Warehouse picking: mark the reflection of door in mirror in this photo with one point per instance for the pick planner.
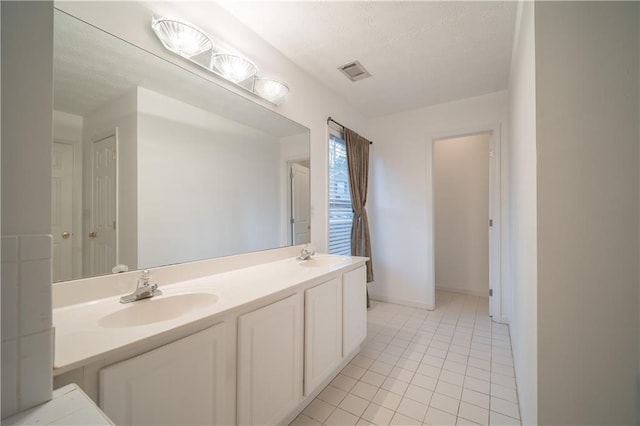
(300, 219)
(61, 210)
(103, 240)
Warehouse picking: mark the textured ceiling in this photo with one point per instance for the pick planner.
(419, 53)
(92, 68)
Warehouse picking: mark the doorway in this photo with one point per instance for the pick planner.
(461, 214)
(299, 230)
(465, 215)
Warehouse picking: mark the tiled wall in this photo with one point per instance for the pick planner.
(27, 334)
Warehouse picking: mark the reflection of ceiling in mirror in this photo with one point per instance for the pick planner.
(92, 68)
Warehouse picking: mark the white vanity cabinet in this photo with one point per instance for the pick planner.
(269, 377)
(179, 383)
(323, 332)
(354, 302)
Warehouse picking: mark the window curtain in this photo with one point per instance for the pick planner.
(358, 164)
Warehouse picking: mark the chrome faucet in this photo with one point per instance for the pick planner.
(306, 253)
(144, 289)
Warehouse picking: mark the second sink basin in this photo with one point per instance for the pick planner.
(156, 309)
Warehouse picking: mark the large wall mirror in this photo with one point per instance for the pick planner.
(155, 165)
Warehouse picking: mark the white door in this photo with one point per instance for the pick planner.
(300, 220)
(181, 383)
(103, 236)
(354, 302)
(270, 362)
(323, 332)
(61, 211)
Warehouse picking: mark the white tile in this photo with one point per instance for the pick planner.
(479, 363)
(439, 353)
(504, 392)
(387, 399)
(303, 420)
(9, 377)
(474, 413)
(388, 358)
(505, 407)
(434, 361)
(364, 390)
(454, 366)
(445, 403)
(475, 398)
(394, 350)
(35, 247)
(35, 297)
(461, 359)
(424, 381)
(476, 385)
(332, 395)
(353, 371)
(505, 370)
(408, 364)
(478, 373)
(354, 404)
(448, 389)
(9, 300)
(429, 370)
(451, 377)
(437, 417)
(362, 361)
(402, 420)
(506, 381)
(381, 367)
(341, 418)
(418, 394)
(401, 374)
(395, 385)
(378, 414)
(496, 419)
(36, 365)
(87, 416)
(414, 409)
(343, 382)
(318, 410)
(373, 378)
(10, 249)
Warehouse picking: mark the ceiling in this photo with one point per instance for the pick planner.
(419, 53)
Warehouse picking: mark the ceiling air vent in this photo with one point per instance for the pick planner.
(354, 71)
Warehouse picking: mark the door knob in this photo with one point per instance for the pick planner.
(65, 235)
(93, 234)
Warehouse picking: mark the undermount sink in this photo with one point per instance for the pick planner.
(156, 309)
(321, 261)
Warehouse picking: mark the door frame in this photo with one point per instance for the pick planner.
(497, 308)
(287, 235)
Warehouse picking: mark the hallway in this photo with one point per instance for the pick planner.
(450, 366)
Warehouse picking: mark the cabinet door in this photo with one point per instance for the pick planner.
(323, 332)
(177, 384)
(354, 302)
(270, 362)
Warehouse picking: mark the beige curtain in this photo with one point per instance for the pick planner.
(358, 163)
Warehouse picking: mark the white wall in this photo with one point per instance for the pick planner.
(27, 107)
(587, 144)
(523, 211)
(309, 103)
(461, 214)
(195, 201)
(399, 195)
(119, 114)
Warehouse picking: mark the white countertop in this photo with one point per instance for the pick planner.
(90, 331)
(69, 406)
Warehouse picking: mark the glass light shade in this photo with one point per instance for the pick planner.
(271, 90)
(180, 37)
(234, 68)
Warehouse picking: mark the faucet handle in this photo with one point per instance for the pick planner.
(145, 277)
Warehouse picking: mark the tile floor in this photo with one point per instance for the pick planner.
(450, 366)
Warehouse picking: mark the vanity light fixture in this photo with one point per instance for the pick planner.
(234, 68)
(181, 38)
(193, 44)
(272, 90)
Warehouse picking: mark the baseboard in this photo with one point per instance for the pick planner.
(410, 303)
(463, 291)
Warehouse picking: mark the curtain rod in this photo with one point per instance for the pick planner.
(341, 125)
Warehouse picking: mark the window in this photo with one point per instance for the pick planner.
(340, 209)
